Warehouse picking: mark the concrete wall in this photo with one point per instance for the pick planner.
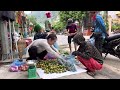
(113, 14)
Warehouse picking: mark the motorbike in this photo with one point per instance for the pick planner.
(110, 45)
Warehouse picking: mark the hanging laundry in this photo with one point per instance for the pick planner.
(16, 17)
(7, 15)
(24, 19)
(48, 14)
(47, 26)
(19, 16)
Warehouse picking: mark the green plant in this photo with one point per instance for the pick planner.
(118, 25)
(65, 15)
(114, 27)
(32, 19)
(59, 26)
(76, 15)
(107, 26)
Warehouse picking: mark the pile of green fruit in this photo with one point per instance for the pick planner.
(66, 53)
(51, 66)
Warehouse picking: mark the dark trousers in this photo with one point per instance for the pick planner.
(98, 41)
(70, 38)
(33, 53)
(98, 44)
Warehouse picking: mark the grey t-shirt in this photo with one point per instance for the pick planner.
(42, 45)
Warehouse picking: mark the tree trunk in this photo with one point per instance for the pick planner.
(79, 30)
(82, 26)
(4, 39)
(106, 17)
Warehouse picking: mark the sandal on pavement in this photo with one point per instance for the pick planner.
(91, 73)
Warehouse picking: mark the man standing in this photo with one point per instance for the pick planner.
(99, 30)
(71, 30)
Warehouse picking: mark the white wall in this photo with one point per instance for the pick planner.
(113, 14)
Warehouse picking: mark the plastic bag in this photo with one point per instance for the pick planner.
(13, 69)
(71, 58)
(49, 56)
(23, 67)
(17, 63)
(68, 64)
(15, 66)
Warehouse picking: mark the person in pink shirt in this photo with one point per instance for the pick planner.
(71, 31)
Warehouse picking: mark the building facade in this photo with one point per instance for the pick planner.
(115, 15)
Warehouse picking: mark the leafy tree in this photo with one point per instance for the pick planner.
(32, 19)
(59, 26)
(65, 15)
(115, 27)
(75, 15)
(107, 26)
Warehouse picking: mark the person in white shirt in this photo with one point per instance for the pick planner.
(40, 47)
(16, 36)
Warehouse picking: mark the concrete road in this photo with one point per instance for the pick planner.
(111, 66)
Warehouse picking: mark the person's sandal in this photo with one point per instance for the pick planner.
(91, 73)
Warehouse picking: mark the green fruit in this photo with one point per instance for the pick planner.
(51, 66)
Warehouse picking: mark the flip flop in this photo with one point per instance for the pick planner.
(91, 73)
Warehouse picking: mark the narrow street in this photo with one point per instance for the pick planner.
(111, 67)
(18, 27)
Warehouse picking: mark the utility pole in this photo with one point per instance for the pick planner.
(110, 24)
(106, 16)
(11, 51)
(4, 40)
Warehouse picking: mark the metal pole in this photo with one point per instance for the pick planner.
(4, 39)
(15, 42)
(82, 28)
(0, 44)
(110, 24)
(18, 28)
(10, 40)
